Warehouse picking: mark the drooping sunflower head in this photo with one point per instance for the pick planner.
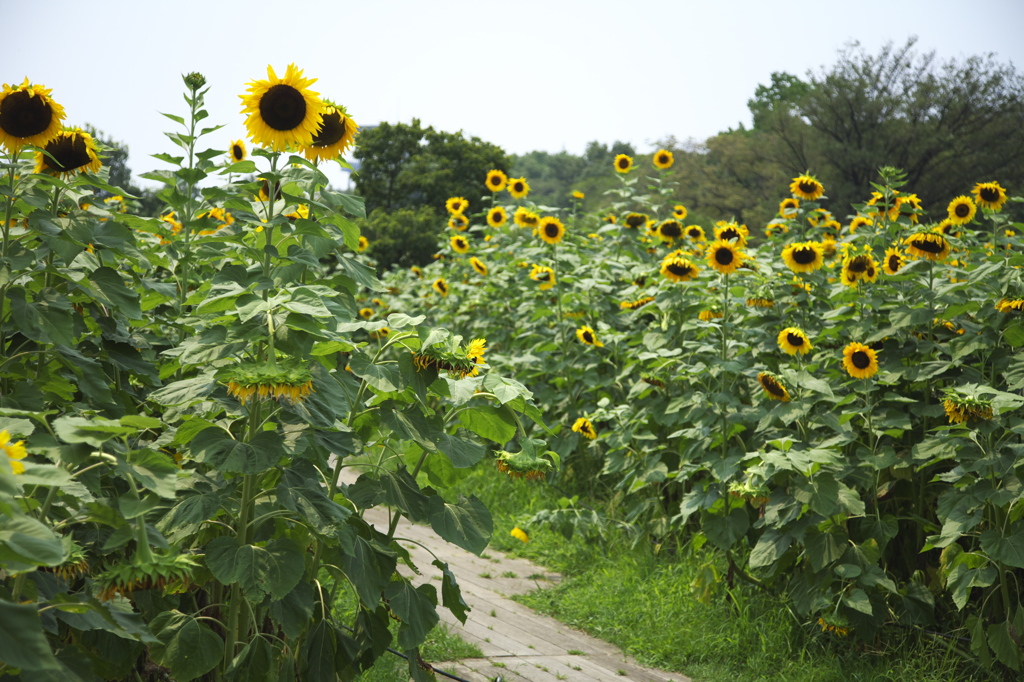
(458, 222)
(930, 245)
(623, 163)
(793, 340)
(71, 151)
(497, 217)
(670, 230)
(663, 160)
(544, 275)
(635, 220)
(961, 210)
(459, 244)
(496, 180)
(788, 207)
(440, 286)
(335, 135)
(585, 428)
(962, 404)
(288, 380)
(479, 266)
(28, 116)
(989, 195)
(725, 257)
(588, 336)
(678, 269)
(237, 152)
(282, 112)
(807, 187)
(456, 205)
(518, 188)
(894, 260)
(773, 388)
(803, 256)
(860, 361)
(550, 230)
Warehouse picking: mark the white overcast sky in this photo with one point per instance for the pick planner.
(526, 75)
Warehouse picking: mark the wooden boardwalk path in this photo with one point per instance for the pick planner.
(518, 644)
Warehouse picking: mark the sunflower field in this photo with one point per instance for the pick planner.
(831, 401)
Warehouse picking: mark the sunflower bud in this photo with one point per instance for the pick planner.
(194, 80)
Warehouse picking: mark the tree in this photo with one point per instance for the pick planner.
(402, 238)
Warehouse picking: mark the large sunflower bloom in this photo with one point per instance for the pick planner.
(71, 151)
(857, 268)
(732, 231)
(725, 256)
(623, 163)
(679, 269)
(663, 160)
(497, 217)
(989, 195)
(337, 132)
(544, 275)
(793, 340)
(550, 230)
(496, 180)
(28, 116)
(961, 210)
(696, 233)
(440, 286)
(860, 361)
(859, 222)
(459, 244)
(930, 245)
(238, 152)
(456, 205)
(803, 256)
(587, 335)
(773, 388)
(282, 112)
(894, 260)
(479, 266)
(670, 230)
(807, 187)
(518, 188)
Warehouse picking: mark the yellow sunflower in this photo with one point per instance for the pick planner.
(518, 188)
(479, 266)
(544, 275)
(623, 163)
(989, 195)
(803, 256)
(772, 229)
(961, 210)
(459, 244)
(366, 313)
(71, 151)
(525, 218)
(670, 230)
(417, 270)
(635, 220)
(458, 222)
(585, 428)
(807, 187)
(708, 314)
(456, 205)
(238, 152)
(334, 137)
(663, 160)
(859, 268)
(519, 534)
(773, 388)
(610, 218)
(732, 231)
(894, 260)
(679, 212)
(364, 244)
(788, 207)
(496, 180)
(497, 217)
(440, 286)
(696, 233)
(794, 340)
(860, 361)
(28, 116)
(930, 245)
(576, 194)
(587, 335)
(678, 269)
(282, 112)
(550, 230)
(15, 452)
(725, 256)
(859, 222)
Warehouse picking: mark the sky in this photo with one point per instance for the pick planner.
(530, 75)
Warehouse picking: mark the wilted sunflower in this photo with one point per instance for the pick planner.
(583, 427)
(71, 151)
(518, 188)
(807, 187)
(587, 335)
(635, 220)
(459, 244)
(962, 405)
(860, 361)
(930, 245)
(282, 112)
(989, 195)
(679, 269)
(456, 205)
(291, 381)
(725, 256)
(550, 230)
(696, 233)
(663, 159)
(623, 163)
(961, 210)
(544, 275)
(793, 340)
(525, 218)
(803, 256)
(458, 222)
(894, 261)
(497, 217)
(28, 116)
(859, 268)
(337, 132)
(788, 207)
(679, 212)
(859, 222)
(670, 230)
(440, 286)
(479, 266)
(496, 180)
(773, 388)
(238, 152)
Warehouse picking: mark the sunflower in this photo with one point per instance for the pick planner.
(28, 116)
(497, 217)
(1007, 305)
(670, 230)
(773, 388)
(578, 195)
(440, 286)
(819, 215)
(807, 187)
(456, 205)
(71, 151)
(696, 233)
(544, 275)
(860, 361)
(663, 160)
(947, 227)
(610, 218)
(550, 230)
(732, 231)
(725, 256)
(857, 268)
(238, 152)
(364, 244)
(708, 314)
(301, 212)
(859, 222)
(678, 269)
(635, 220)
(458, 222)
(525, 218)
(417, 270)
(788, 207)
(623, 163)
(583, 427)
(794, 340)
(337, 132)
(911, 200)
(459, 244)
(761, 302)
(479, 266)
(963, 405)
(772, 229)
(15, 452)
(366, 313)
(894, 261)
(961, 210)
(586, 335)
(989, 195)
(282, 112)
(930, 245)
(518, 188)
(519, 534)
(639, 303)
(803, 256)
(496, 180)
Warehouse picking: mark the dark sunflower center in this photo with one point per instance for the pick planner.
(808, 187)
(544, 276)
(588, 337)
(551, 230)
(530, 220)
(730, 233)
(494, 180)
(724, 256)
(672, 230)
(442, 287)
(858, 264)
(635, 220)
(518, 187)
(459, 244)
(662, 159)
(773, 386)
(679, 269)
(894, 263)
(962, 210)
(805, 256)
(283, 107)
(694, 233)
(623, 163)
(989, 194)
(68, 151)
(22, 115)
(860, 359)
(924, 244)
(237, 152)
(495, 216)
(331, 130)
(794, 339)
(871, 272)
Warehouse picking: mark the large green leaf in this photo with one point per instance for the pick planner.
(22, 642)
(111, 292)
(26, 543)
(295, 611)
(385, 378)
(215, 447)
(489, 422)
(724, 530)
(48, 319)
(461, 451)
(451, 594)
(300, 491)
(254, 663)
(274, 569)
(467, 523)
(369, 567)
(152, 469)
(186, 390)
(402, 491)
(94, 431)
(186, 646)
(1007, 549)
(821, 493)
(769, 548)
(417, 607)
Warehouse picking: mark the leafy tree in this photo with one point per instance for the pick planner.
(402, 238)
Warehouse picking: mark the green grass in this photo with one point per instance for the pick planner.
(441, 645)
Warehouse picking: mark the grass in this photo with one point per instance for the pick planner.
(441, 645)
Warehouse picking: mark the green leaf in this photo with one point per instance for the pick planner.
(274, 569)
(462, 452)
(417, 607)
(152, 469)
(295, 611)
(824, 548)
(857, 599)
(111, 292)
(1008, 549)
(183, 391)
(492, 423)
(769, 548)
(215, 447)
(402, 491)
(139, 421)
(187, 647)
(301, 492)
(467, 523)
(370, 569)
(1014, 335)
(22, 642)
(724, 530)
(254, 663)
(451, 595)
(384, 378)
(320, 649)
(821, 493)
(305, 302)
(94, 431)
(46, 320)
(26, 543)
(1002, 642)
